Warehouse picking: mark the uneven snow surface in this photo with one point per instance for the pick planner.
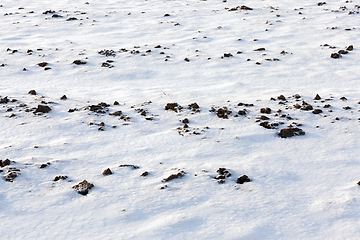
(255, 69)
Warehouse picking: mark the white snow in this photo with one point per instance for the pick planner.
(303, 187)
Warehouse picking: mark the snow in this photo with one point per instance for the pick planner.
(303, 187)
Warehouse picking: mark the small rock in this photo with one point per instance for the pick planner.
(63, 97)
(79, 62)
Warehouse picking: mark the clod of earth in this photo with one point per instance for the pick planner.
(44, 165)
(42, 64)
(174, 176)
(194, 107)
(260, 49)
(186, 59)
(11, 174)
(4, 100)
(4, 163)
(306, 106)
(335, 55)
(185, 120)
(343, 52)
(343, 98)
(83, 187)
(281, 97)
(129, 165)
(42, 109)
(57, 178)
(265, 110)
(350, 48)
(63, 97)
(71, 19)
(262, 117)
(317, 97)
(107, 172)
(223, 113)
(117, 113)
(243, 179)
(242, 112)
(243, 7)
(228, 55)
(32, 92)
(290, 132)
(144, 174)
(79, 62)
(116, 103)
(173, 106)
(317, 111)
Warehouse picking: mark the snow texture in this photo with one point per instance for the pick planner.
(179, 100)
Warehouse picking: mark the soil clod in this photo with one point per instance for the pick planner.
(83, 187)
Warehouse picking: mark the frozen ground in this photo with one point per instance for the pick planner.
(302, 187)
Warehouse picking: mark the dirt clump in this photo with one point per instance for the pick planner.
(107, 172)
(174, 176)
(194, 107)
(42, 109)
(317, 111)
(57, 178)
(130, 166)
(174, 107)
(223, 113)
(243, 179)
(79, 62)
(265, 110)
(290, 132)
(83, 187)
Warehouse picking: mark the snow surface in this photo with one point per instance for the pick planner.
(304, 187)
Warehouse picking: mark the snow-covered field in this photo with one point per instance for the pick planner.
(132, 72)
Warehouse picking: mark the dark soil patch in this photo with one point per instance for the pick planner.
(108, 53)
(44, 165)
(346, 108)
(242, 112)
(243, 7)
(194, 107)
(173, 106)
(317, 111)
(83, 187)
(4, 163)
(107, 172)
(174, 176)
(130, 166)
(265, 110)
(306, 106)
(259, 49)
(63, 97)
(290, 132)
(262, 117)
(11, 174)
(185, 120)
(4, 100)
(335, 55)
(42, 109)
(281, 97)
(268, 125)
(223, 174)
(79, 62)
(117, 113)
(343, 52)
(57, 178)
(223, 113)
(243, 179)
(42, 64)
(144, 174)
(350, 48)
(71, 19)
(317, 97)
(186, 59)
